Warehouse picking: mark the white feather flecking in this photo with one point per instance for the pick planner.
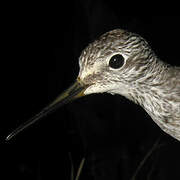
(144, 78)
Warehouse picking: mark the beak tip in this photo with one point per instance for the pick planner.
(75, 91)
(8, 138)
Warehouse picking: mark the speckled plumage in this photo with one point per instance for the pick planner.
(143, 78)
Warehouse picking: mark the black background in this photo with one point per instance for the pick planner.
(41, 46)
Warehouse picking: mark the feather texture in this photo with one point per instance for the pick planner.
(144, 78)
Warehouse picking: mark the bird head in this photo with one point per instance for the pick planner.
(113, 63)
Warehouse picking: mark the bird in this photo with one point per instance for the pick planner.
(122, 62)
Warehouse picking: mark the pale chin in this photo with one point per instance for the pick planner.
(94, 89)
(112, 89)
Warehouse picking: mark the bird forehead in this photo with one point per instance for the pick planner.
(101, 48)
(120, 41)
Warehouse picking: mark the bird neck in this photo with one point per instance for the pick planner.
(155, 73)
(150, 82)
(153, 93)
(148, 91)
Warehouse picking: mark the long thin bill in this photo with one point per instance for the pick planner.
(73, 92)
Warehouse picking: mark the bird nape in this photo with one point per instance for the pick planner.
(121, 62)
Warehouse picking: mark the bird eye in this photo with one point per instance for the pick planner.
(116, 61)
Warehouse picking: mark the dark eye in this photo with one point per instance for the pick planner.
(116, 61)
